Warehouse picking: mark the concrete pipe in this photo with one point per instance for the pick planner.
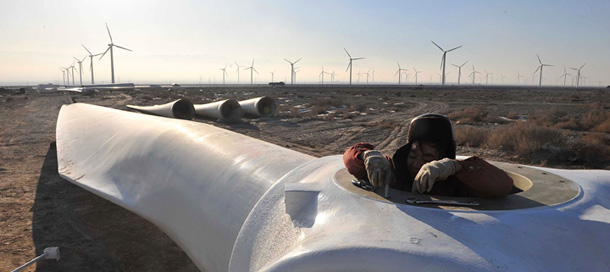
(181, 109)
(228, 110)
(260, 107)
(235, 203)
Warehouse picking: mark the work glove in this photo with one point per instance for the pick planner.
(378, 169)
(432, 172)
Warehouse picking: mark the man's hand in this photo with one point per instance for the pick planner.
(432, 172)
(378, 169)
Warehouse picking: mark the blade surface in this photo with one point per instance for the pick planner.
(454, 48)
(109, 33)
(438, 46)
(105, 52)
(86, 49)
(350, 56)
(538, 58)
(123, 48)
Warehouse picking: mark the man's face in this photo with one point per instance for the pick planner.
(420, 154)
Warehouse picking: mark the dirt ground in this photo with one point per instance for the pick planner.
(38, 209)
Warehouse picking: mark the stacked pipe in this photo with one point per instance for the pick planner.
(228, 110)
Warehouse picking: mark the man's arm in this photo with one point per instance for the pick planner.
(352, 158)
(483, 179)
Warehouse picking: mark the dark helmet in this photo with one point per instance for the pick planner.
(429, 127)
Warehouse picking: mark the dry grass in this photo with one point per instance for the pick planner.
(473, 115)
(470, 136)
(594, 150)
(524, 138)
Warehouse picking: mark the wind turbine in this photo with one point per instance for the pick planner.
(252, 70)
(565, 75)
(332, 77)
(399, 72)
(224, 72)
(72, 67)
(519, 76)
(540, 68)
(473, 74)
(444, 58)
(487, 77)
(292, 74)
(459, 71)
(322, 75)
(349, 66)
(416, 72)
(272, 75)
(110, 46)
(91, 59)
(296, 70)
(367, 76)
(578, 74)
(406, 76)
(238, 70)
(80, 69)
(359, 74)
(63, 74)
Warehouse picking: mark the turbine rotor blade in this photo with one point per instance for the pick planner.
(105, 52)
(582, 66)
(350, 56)
(123, 48)
(295, 61)
(437, 46)
(464, 63)
(454, 48)
(86, 49)
(357, 58)
(539, 59)
(109, 33)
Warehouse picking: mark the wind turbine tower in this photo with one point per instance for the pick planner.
(292, 75)
(252, 70)
(473, 74)
(459, 71)
(349, 66)
(399, 72)
(224, 72)
(444, 58)
(80, 69)
(416, 72)
(237, 70)
(578, 74)
(519, 76)
(540, 68)
(565, 76)
(110, 46)
(91, 59)
(272, 75)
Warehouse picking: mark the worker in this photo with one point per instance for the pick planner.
(426, 164)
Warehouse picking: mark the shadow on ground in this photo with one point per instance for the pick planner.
(94, 234)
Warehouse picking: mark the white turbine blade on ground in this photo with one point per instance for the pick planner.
(454, 48)
(109, 33)
(438, 46)
(86, 49)
(123, 48)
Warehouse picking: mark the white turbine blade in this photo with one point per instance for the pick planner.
(252, 63)
(288, 61)
(574, 69)
(109, 33)
(123, 48)
(538, 58)
(86, 49)
(455, 65)
(398, 65)
(582, 66)
(254, 70)
(537, 69)
(357, 58)
(438, 46)
(297, 60)
(464, 63)
(105, 52)
(83, 59)
(348, 65)
(454, 48)
(350, 56)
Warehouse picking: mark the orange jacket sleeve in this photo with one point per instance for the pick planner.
(354, 165)
(483, 179)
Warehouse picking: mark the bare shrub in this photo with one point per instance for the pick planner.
(594, 150)
(474, 115)
(547, 117)
(513, 115)
(524, 137)
(470, 136)
(603, 127)
(595, 117)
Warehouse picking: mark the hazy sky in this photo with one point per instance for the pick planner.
(183, 41)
